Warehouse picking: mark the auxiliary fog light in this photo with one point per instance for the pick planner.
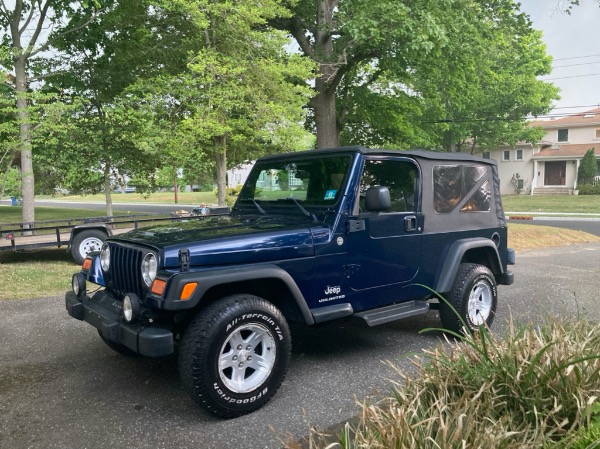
(131, 307)
(78, 284)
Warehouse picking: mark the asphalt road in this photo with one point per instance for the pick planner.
(590, 225)
(61, 387)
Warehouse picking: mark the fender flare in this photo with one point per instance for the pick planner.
(445, 278)
(211, 278)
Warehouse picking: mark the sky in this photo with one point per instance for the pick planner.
(572, 41)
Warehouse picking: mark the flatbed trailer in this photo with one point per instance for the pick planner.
(83, 235)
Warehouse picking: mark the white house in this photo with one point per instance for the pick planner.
(551, 165)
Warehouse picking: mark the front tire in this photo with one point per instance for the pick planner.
(234, 355)
(474, 298)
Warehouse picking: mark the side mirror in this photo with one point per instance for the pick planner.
(377, 199)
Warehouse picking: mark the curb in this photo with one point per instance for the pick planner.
(520, 217)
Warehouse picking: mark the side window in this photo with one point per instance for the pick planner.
(468, 186)
(399, 177)
(563, 135)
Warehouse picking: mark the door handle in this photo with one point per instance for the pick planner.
(410, 223)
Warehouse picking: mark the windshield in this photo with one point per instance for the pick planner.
(300, 184)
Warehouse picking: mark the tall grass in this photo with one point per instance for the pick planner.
(537, 387)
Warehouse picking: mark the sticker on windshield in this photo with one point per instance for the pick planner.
(330, 195)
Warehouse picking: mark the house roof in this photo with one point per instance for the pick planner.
(591, 117)
(574, 151)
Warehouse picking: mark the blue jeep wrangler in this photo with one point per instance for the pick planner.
(344, 233)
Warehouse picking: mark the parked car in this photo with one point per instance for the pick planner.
(317, 236)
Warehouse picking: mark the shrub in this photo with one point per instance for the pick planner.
(587, 168)
(588, 189)
(530, 389)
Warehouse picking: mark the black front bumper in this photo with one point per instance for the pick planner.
(103, 312)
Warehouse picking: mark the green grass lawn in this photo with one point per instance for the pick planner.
(582, 204)
(12, 214)
(35, 274)
(195, 198)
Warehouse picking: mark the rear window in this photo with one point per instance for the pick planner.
(463, 187)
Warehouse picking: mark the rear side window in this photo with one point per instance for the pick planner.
(461, 186)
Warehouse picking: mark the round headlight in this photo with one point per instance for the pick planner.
(149, 267)
(105, 257)
(78, 283)
(131, 307)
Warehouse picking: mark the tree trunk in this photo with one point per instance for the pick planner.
(27, 178)
(324, 102)
(221, 163)
(107, 192)
(175, 187)
(324, 106)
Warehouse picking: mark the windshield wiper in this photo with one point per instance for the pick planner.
(304, 211)
(260, 209)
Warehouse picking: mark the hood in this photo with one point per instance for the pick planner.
(227, 240)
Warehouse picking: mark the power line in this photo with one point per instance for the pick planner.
(574, 57)
(574, 76)
(507, 119)
(575, 107)
(574, 65)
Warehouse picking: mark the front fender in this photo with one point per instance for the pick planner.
(208, 279)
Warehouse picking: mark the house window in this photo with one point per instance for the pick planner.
(597, 133)
(519, 156)
(506, 155)
(563, 135)
(486, 155)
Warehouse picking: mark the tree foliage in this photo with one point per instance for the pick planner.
(422, 73)
(242, 95)
(29, 27)
(108, 139)
(587, 169)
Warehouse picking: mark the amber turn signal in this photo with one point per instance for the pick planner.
(158, 287)
(187, 291)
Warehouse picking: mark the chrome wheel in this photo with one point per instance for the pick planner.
(247, 358)
(480, 303)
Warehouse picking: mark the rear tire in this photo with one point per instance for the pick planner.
(474, 298)
(234, 355)
(86, 242)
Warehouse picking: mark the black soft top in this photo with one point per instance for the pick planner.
(417, 154)
(427, 161)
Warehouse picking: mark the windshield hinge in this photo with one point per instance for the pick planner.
(355, 225)
(184, 259)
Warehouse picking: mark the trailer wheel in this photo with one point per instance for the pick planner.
(86, 242)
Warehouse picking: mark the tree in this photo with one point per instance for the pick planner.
(479, 99)
(243, 94)
(588, 168)
(340, 35)
(25, 39)
(109, 137)
(389, 69)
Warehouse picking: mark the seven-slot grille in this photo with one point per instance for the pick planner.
(125, 270)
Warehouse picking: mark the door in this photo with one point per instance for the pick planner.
(384, 248)
(555, 173)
